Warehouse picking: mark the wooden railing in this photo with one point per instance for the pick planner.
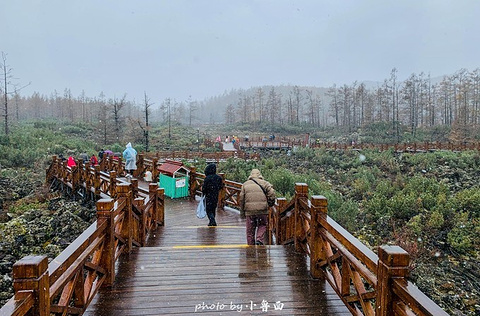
(369, 284)
(397, 147)
(228, 196)
(66, 286)
(209, 156)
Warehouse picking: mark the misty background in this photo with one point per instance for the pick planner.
(202, 48)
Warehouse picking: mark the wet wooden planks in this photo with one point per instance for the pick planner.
(190, 268)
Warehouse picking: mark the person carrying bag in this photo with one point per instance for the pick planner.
(211, 187)
(254, 199)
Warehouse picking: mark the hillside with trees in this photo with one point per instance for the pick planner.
(451, 103)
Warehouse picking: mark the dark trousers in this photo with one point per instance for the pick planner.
(211, 215)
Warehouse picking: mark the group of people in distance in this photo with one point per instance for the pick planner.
(255, 197)
(72, 163)
(256, 194)
(129, 154)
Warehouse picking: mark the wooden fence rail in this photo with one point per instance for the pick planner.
(369, 284)
(125, 217)
(397, 147)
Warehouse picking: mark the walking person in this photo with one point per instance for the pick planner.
(130, 156)
(93, 160)
(71, 162)
(255, 197)
(211, 187)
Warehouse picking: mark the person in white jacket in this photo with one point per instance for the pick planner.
(130, 156)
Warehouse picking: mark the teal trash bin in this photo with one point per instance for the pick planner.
(174, 179)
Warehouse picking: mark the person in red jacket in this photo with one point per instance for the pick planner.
(93, 160)
(71, 162)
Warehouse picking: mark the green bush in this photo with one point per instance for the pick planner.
(346, 214)
(463, 237)
(436, 220)
(283, 182)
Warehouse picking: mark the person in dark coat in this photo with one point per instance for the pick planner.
(211, 187)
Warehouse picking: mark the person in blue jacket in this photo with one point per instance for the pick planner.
(211, 187)
(130, 156)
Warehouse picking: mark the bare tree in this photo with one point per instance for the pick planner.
(345, 100)
(103, 120)
(475, 79)
(166, 105)
(261, 107)
(229, 115)
(116, 106)
(7, 76)
(361, 94)
(83, 101)
(146, 128)
(192, 107)
(274, 106)
(297, 100)
(334, 104)
(394, 92)
(242, 110)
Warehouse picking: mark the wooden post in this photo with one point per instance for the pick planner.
(86, 179)
(222, 193)
(155, 171)
(31, 274)
(152, 193)
(80, 165)
(139, 204)
(96, 182)
(134, 186)
(392, 264)
(192, 183)
(279, 234)
(140, 166)
(301, 191)
(124, 191)
(75, 179)
(161, 207)
(105, 213)
(113, 184)
(318, 210)
(51, 171)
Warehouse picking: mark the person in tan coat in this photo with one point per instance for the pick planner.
(254, 200)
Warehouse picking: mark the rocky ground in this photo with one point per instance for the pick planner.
(34, 222)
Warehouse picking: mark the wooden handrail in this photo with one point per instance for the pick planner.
(69, 283)
(368, 284)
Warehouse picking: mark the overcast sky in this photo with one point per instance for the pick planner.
(200, 48)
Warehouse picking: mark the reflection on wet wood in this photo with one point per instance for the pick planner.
(190, 268)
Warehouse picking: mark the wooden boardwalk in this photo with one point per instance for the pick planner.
(189, 268)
